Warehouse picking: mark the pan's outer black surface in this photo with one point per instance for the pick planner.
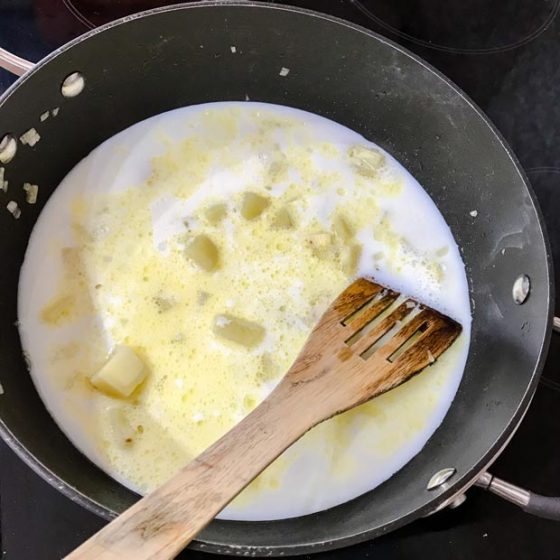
(181, 56)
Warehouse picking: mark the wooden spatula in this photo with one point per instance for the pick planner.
(365, 344)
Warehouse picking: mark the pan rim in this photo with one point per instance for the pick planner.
(214, 545)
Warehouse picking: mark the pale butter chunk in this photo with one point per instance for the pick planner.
(283, 219)
(366, 161)
(204, 253)
(253, 205)
(240, 331)
(31, 137)
(122, 373)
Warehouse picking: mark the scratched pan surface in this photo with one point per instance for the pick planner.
(154, 62)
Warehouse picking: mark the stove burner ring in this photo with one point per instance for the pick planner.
(459, 50)
(78, 14)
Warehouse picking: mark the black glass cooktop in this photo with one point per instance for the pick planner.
(506, 56)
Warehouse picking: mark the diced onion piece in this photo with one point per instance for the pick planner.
(240, 331)
(44, 116)
(202, 297)
(121, 428)
(253, 205)
(366, 161)
(283, 219)
(121, 374)
(342, 228)
(30, 137)
(215, 213)
(321, 245)
(351, 259)
(320, 239)
(437, 271)
(13, 209)
(31, 192)
(164, 302)
(203, 252)
(278, 168)
(58, 311)
(3, 184)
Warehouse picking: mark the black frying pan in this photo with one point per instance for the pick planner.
(168, 58)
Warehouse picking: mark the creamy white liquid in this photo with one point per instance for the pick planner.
(405, 242)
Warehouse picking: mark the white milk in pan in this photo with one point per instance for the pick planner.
(204, 243)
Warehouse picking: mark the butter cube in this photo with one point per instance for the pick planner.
(203, 252)
(351, 259)
(342, 228)
(238, 330)
(283, 219)
(253, 205)
(121, 374)
(366, 161)
(216, 213)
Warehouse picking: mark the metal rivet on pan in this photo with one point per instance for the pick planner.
(521, 289)
(441, 477)
(73, 85)
(457, 501)
(8, 148)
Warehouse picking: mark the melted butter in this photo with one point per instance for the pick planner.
(119, 226)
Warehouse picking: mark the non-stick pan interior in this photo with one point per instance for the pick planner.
(182, 56)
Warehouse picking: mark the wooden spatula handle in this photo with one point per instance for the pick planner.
(331, 375)
(160, 525)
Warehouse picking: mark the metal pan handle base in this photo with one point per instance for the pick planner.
(13, 63)
(541, 506)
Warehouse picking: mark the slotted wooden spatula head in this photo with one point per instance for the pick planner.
(370, 340)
